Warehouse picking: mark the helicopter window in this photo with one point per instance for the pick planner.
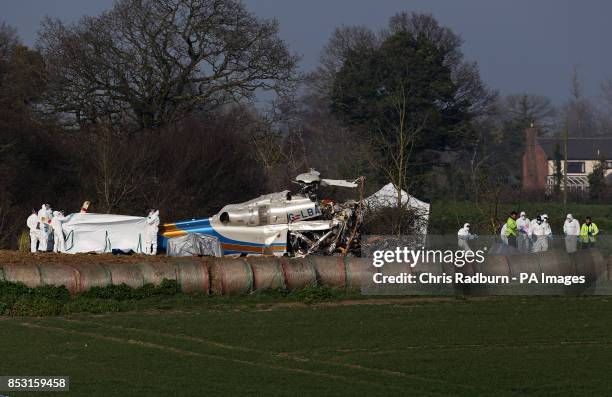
(224, 217)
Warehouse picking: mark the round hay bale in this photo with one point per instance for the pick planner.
(556, 263)
(610, 268)
(591, 264)
(128, 274)
(193, 276)
(299, 273)
(58, 275)
(493, 265)
(26, 274)
(267, 273)
(330, 270)
(398, 268)
(230, 277)
(91, 275)
(155, 272)
(359, 272)
(469, 269)
(523, 263)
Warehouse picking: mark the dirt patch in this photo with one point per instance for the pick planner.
(371, 301)
(27, 258)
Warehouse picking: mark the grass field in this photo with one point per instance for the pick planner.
(448, 217)
(405, 346)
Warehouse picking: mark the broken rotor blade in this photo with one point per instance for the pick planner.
(338, 182)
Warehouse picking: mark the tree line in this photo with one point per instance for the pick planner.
(156, 104)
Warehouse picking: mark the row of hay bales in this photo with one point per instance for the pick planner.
(589, 263)
(224, 276)
(219, 276)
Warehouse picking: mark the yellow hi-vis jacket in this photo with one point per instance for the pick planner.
(511, 228)
(588, 232)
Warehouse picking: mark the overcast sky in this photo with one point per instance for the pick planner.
(520, 45)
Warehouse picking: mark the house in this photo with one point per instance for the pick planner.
(583, 154)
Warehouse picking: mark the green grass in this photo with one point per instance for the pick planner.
(448, 217)
(254, 346)
(16, 299)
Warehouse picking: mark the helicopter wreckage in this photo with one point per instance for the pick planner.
(281, 223)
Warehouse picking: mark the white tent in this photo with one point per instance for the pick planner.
(387, 197)
(104, 232)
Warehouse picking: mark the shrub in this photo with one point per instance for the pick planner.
(17, 299)
(23, 242)
(314, 294)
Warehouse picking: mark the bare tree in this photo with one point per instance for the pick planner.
(579, 111)
(396, 138)
(526, 109)
(153, 61)
(8, 40)
(119, 165)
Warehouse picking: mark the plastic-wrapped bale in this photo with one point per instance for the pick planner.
(230, 277)
(556, 263)
(129, 275)
(91, 275)
(435, 277)
(330, 270)
(26, 274)
(59, 275)
(193, 276)
(299, 273)
(527, 264)
(389, 280)
(359, 272)
(155, 272)
(523, 263)
(493, 265)
(591, 264)
(267, 273)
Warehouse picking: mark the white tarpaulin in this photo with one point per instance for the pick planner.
(387, 197)
(104, 233)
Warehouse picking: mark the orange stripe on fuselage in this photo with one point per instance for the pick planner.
(250, 248)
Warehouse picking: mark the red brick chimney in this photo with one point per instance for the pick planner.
(535, 163)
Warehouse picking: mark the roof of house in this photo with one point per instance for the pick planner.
(579, 148)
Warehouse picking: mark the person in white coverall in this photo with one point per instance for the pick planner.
(547, 226)
(538, 233)
(32, 223)
(44, 228)
(523, 223)
(150, 243)
(571, 229)
(59, 243)
(502, 234)
(463, 236)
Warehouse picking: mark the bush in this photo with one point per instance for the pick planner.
(16, 299)
(24, 241)
(36, 306)
(123, 292)
(314, 294)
